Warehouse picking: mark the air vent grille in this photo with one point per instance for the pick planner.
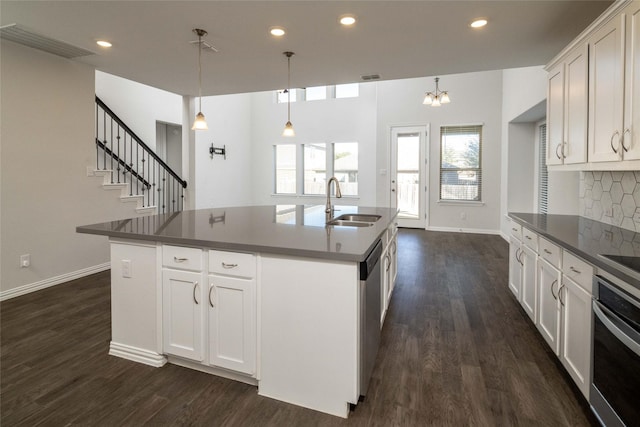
(370, 77)
(20, 34)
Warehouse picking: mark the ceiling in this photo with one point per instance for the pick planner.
(396, 39)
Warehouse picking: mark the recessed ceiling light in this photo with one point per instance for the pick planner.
(478, 23)
(277, 31)
(347, 20)
(104, 43)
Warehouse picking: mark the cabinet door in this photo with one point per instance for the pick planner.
(575, 112)
(548, 305)
(515, 267)
(183, 314)
(631, 137)
(232, 323)
(394, 261)
(385, 263)
(555, 115)
(606, 91)
(528, 292)
(576, 333)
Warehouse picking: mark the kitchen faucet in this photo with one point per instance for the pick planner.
(329, 208)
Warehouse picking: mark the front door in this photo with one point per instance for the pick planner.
(408, 186)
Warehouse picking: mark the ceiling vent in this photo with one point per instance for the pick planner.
(370, 77)
(20, 34)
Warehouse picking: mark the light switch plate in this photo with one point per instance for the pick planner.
(126, 268)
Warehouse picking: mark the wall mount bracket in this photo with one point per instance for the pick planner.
(219, 151)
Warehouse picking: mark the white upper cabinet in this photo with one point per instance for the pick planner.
(567, 109)
(555, 114)
(631, 133)
(606, 91)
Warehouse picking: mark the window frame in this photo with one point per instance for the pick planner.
(449, 129)
(274, 187)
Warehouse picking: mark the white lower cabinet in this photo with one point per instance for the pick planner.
(183, 313)
(515, 266)
(528, 290)
(548, 324)
(576, 333)
(232, 323)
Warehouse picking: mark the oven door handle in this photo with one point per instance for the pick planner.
(615, 325)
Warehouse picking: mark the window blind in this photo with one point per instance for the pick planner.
(542, 170)
(461, 163)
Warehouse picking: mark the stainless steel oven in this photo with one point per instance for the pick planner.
(615, 388)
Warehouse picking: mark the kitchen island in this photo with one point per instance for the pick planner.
(267, 295)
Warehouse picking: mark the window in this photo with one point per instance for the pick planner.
(285, 165)
(283, 98)
(315, 93)
(315, 168)
(460, 163)
(319, 161)
(351, 90)
(345, 167)
(542, 170)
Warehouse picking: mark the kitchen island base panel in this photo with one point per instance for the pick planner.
(137, 354)
(309, 319)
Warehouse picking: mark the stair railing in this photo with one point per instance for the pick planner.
(131, 161)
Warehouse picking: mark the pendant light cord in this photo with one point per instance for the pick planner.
(289, 88)
(200, 72)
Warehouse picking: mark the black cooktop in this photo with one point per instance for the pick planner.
(628, 264)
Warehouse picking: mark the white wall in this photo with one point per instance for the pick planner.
(475, 99)
(331, 120)
(139, 105)
(47, 138)
(220, 182)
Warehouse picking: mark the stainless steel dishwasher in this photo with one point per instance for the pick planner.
(370, 278)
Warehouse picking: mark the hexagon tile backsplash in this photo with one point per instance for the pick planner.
(611, 197)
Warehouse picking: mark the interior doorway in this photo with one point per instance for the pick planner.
(169, 145)
(408, 174)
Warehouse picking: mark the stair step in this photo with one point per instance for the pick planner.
(134, 198)
(147, 210)
(115, 186)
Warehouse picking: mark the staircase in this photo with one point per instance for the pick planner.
(127, 164)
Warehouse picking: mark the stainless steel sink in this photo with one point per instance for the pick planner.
(344, 223)
(358, 217)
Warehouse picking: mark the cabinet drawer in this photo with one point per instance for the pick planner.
(516, 230)
(549, 252)
(578, 270)
(232, 264)
(529, 238)
(182, 258)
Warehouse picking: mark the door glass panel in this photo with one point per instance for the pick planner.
(408, 169)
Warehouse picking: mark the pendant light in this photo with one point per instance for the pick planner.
(200, 123)
(435, 99)
(288, 128)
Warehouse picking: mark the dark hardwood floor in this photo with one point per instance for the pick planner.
(456, 350)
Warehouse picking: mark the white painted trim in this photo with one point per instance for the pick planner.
(136, 354)
(464, 230)
(504, 236)
(213, 370)
(52, 281)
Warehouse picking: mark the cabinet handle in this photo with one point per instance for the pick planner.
(394, 248)
(210, 300)
(574, 270)
(624, 147)
(560, 295)
(388, 262)
(547, 251)
(518, 254)
(225, 265)
(554, 295)
(514, 229)
(558, 155)
(176, 259)
(611, 142)
(527, 237)
(564, 156)
(195, 286)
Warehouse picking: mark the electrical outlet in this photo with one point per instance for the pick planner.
(608, 212)
(25, 260)
(608, 235)
(126, 268)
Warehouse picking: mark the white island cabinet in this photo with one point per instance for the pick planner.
(266, 295)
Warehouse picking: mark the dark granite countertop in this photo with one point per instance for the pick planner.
(293, 230)
(587, 239)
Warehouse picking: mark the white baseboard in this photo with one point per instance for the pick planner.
(52, 281)
(136, 354)
(463, 230)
